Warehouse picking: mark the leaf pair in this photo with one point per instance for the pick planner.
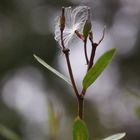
(92, 74)
(80, 131)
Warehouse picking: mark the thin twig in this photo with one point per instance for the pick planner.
(91, 61)
(81, 107)
(79, 98)
(85, 51)
(103, 35)
(92, 56)
(66, 53)
(85, 44)
(62, 41)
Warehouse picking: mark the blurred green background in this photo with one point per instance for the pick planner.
(37, 105)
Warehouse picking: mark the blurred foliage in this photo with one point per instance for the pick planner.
(138, 112)
(8, 134)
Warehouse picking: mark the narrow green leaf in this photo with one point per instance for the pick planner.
(80, 131)
(98, 68)
(8, 134)
(52, 70)
(116, 136)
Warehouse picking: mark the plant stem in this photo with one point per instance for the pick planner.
(66, 52)
(81, 107)
(92, 56)
(80, 99)
(85, 50)
(62, 42)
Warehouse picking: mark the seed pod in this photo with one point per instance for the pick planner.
(87, 26)
(62, 19)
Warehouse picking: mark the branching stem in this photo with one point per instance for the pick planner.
(90, 61)
(92, 56)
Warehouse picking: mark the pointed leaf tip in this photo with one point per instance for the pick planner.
(52, 69)
(98, 68)
(115, 136)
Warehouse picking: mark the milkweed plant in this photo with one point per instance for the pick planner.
(75, 25)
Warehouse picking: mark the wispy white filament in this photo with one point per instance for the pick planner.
(74, 20)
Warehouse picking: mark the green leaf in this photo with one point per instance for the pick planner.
(8, 134)
(98, 68)
(52, 70)
(116, 136)
(80, 131)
